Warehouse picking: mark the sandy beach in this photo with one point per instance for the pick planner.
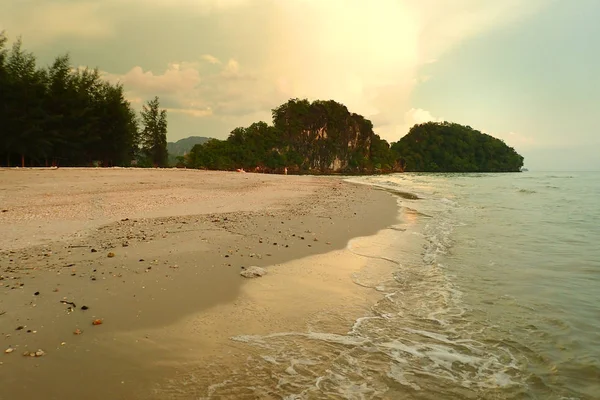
(154, 256)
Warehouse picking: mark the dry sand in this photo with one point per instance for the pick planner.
(171, 297)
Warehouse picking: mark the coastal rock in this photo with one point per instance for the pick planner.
(253, 272)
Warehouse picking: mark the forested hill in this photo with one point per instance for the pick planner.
(177, 150)
(317, 137)
(450, 147)
(183, 146)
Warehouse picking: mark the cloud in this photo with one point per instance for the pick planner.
(211, 59)
(368, 55)
(183, 88)
(46, 21)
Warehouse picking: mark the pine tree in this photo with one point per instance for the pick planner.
(154, 133)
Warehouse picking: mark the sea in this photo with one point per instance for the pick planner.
(489, 289)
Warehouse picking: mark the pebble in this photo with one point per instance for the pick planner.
(253, 272)
(111, 255)
(97, 322)
(9, 350)
(38, 353)
(77, 331)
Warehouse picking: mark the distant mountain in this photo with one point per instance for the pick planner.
(183, 146)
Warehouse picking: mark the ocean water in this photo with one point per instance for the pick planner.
(490, 289)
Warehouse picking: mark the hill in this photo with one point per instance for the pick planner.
(183, 146)
(317, 137)
(450, 147)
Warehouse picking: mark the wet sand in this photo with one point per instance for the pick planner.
(171, 298)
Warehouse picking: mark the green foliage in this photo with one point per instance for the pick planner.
(154, 134)
(177, 150)
(450, 147)
(317, 137)
(60, 115)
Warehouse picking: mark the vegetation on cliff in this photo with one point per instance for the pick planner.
(450, 147)
(317, 137)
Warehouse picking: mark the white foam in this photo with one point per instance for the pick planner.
(417, 334)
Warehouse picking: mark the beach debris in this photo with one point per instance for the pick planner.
(36, 294)
(9, 350)
(20, 328)
(70, 303)
(85, 308)
(94, 251)
(55, 290)
(77, 331)
(111, 255)
(253, 272)
(97, 322)
(38, 353)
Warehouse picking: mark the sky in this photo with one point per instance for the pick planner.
(523, 71)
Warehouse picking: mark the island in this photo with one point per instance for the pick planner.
(324, 137)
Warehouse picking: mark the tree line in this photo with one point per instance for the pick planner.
(305, 137)
(451, 147)
(324, 137)
(64, 116)
(59, 115)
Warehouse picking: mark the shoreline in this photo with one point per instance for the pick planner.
(154, 311)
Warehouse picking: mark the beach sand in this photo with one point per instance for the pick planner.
(156, 255)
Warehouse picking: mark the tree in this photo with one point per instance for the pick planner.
(61, 114)
(154, 134)
(24, 112)
(450, 147)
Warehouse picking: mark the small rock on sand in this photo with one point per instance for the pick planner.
(253, 272)
(111, 255)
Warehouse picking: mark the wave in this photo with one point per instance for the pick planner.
(526, 191)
